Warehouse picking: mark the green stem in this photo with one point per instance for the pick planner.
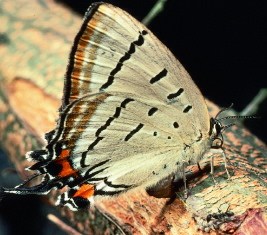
(253, 106)
(157, 8)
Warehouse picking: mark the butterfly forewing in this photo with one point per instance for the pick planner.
(114, 52)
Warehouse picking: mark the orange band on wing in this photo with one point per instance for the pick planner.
(64, 153)
(85, 191)
(66, 169)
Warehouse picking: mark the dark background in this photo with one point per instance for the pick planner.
(220, 43)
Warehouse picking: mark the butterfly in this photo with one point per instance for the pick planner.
(131, 116)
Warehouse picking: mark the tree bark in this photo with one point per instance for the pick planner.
(35, 40)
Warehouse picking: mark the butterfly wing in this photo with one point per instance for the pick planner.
(117, 141)
(113, 52)
(130, 116)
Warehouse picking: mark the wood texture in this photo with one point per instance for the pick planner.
(35, 39)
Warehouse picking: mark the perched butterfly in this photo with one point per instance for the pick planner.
(131, 116)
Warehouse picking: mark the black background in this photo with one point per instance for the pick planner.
(220, 43)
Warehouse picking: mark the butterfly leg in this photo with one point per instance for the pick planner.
(212, 169)
(199, 168)
(225, 163)
(220, 151)
(184, 179)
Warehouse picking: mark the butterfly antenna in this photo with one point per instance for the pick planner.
(231, 117)
(236, 117)
(223, 110)
(227, 126)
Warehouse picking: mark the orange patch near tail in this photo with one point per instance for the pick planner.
(66, 166)
(66, 169)
(85, 191)
(64, 153)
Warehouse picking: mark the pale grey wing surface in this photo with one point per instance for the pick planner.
(127, 140)
(113, 52)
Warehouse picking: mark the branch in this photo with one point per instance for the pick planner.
(30, 93)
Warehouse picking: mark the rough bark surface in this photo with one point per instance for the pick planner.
(35, 39)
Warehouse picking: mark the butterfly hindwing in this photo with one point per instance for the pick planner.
(121, 143)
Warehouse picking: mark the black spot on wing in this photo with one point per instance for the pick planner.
(92, 168)
(90, 176)
(115, 115)
(144, 32)
(199, 137)
(125, 57)
(176, 94)
(159, 76)
(125, 102)
(187, 108)
(111, 185)
(117, 112)
(92, 145)
(49, 136)
(105, 126)
(175, 125)
(140, 40)
(58, 148)
(107, 193)
(152, 111)
(134, 131)
(53, 168)
(38, 155)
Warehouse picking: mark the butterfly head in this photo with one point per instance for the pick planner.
(217, 127)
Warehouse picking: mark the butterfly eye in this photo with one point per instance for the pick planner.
(218, 127)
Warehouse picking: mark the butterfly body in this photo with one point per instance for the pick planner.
(131, 115)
